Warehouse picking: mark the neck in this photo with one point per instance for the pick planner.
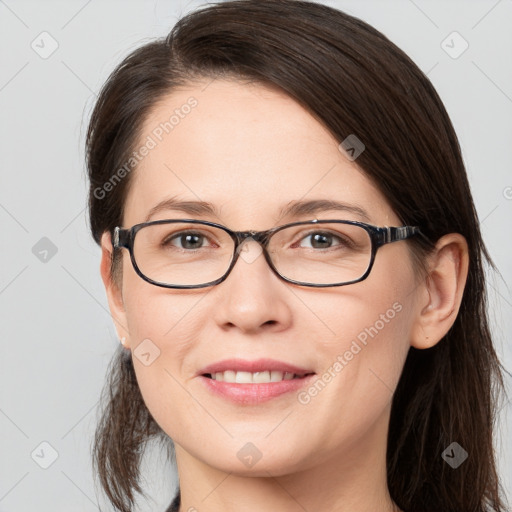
(350, 480)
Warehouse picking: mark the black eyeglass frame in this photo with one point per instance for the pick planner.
(379, 236)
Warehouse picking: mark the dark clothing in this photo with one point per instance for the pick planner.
(175, 505)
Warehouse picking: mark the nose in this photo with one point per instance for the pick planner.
(252, 296)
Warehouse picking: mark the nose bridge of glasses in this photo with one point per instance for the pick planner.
(244, 247)
(259, 237)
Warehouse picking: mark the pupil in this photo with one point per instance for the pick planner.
(321, 238)
(189, 238)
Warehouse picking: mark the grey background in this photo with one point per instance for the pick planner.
(56, 332)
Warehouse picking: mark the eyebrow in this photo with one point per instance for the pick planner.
(292, 209)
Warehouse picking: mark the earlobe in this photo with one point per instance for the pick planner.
(113, 291)
(441, 292)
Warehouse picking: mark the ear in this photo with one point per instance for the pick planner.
(441, 292)
(113, 290)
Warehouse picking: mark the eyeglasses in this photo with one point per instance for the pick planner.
(189, 253)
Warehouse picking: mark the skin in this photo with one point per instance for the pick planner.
(250, 149)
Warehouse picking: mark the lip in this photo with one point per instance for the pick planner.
(251, 394)
(259, 365)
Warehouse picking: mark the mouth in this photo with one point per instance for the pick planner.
(253, 382)
(262, 377)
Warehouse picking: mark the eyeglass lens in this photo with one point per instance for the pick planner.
(186, 254)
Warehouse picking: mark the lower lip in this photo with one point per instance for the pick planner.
(254, 393)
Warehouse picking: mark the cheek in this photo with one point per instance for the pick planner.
(162, 329)
(371, 318)
(363, 353)
(154, 312)
(368, 342)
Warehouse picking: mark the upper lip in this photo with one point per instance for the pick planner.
(258, 365)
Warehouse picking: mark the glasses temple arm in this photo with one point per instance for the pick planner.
(120, 237)
(395, 234)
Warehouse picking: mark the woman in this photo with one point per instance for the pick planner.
(294, 266)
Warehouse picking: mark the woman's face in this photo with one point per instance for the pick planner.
(250, 151)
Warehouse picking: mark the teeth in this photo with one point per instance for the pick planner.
(252, 378)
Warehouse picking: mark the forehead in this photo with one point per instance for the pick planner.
(249, 150)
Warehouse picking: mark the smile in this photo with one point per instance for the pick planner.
(253, 378)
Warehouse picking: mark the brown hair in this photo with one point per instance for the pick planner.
(354, 81)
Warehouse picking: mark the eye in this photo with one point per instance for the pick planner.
(186, 240)
(324, 240)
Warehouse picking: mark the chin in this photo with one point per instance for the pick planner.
(255, 458)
